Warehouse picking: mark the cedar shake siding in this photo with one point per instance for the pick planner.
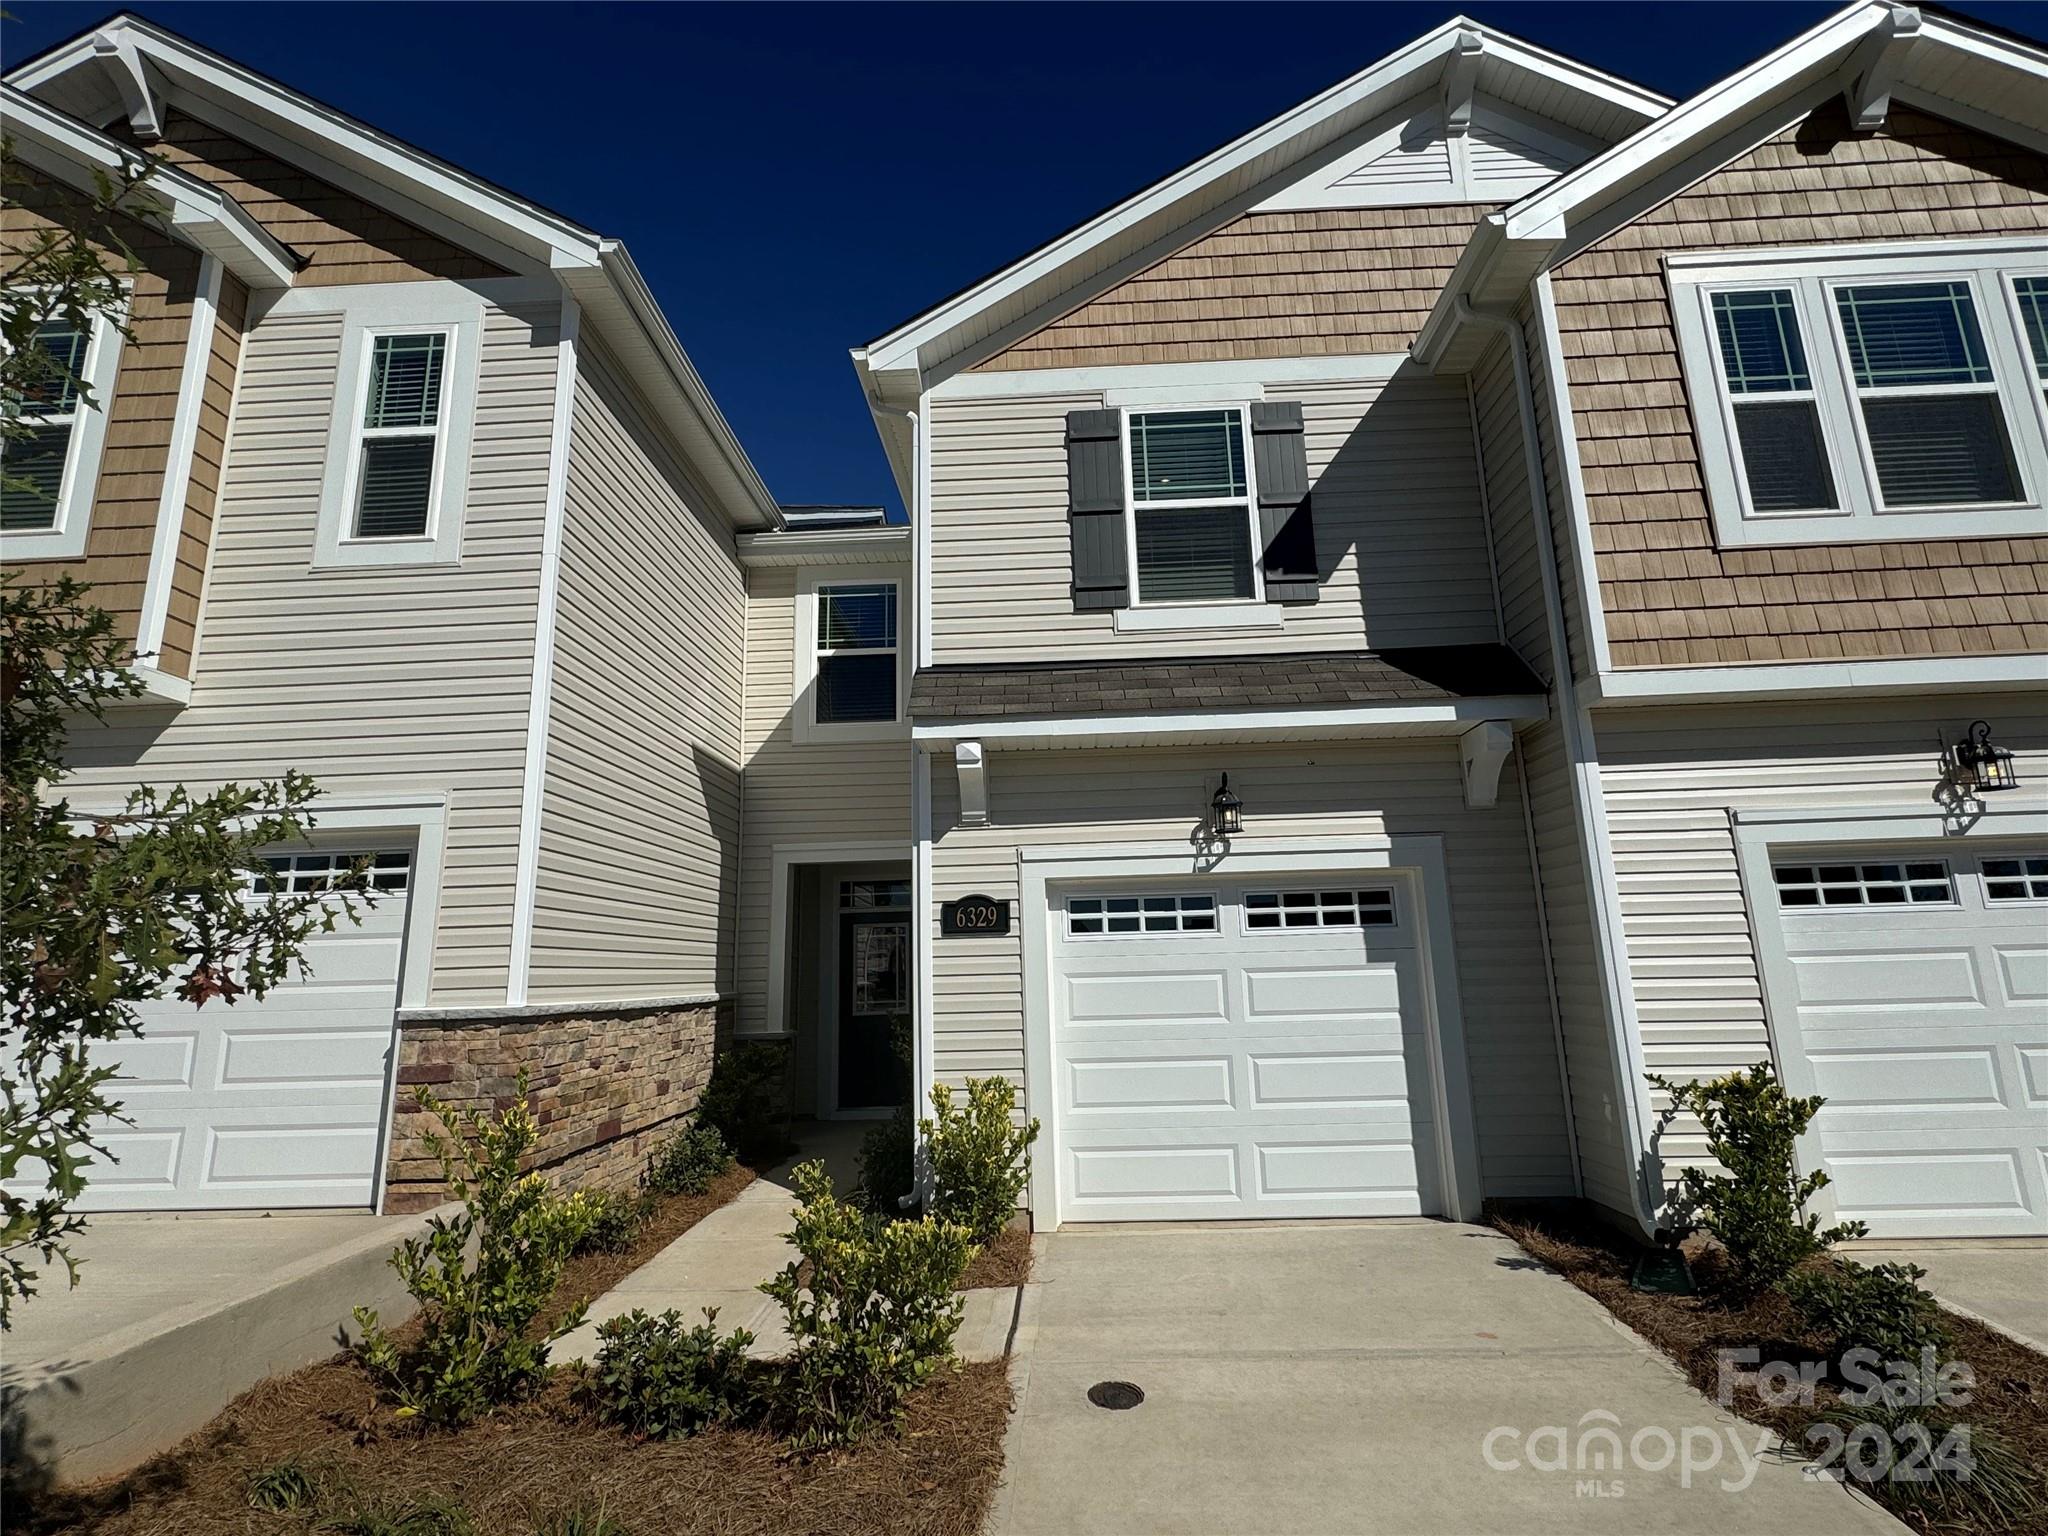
(1672, 597)
(140, 409)
(345, 239)
(1320, 283)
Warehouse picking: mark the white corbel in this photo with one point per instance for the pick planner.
(1874, 68)
(967, 762)
(1481, 751)
(119, 57)
(1461, 73)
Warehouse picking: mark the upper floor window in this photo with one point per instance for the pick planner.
(48, 473)
(1192, 512)
(849, 675)
(401, 435)
(1889, 394)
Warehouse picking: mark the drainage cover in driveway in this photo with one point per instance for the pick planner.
(1115, 1394)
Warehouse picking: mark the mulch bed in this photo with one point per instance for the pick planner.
(2010, 1400)
(1004, 1262)
(526, 1466)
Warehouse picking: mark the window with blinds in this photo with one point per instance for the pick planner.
(1191, 506)
(856, 654)
(32, 465)
(1897, 395)
(401, 429)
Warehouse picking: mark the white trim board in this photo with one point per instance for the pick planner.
(1447, 719)
(177, 474)
(1418, 857)
(782, 858)
(1231, 377)
(1767, 680)
(540, 697)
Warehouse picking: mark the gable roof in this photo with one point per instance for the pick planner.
(192, 210)
(133, 68)
(1178, 208)
(1871, 53)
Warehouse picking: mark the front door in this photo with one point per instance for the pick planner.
(874, 1004)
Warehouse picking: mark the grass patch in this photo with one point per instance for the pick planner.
(1006, 1261)
(2009, 1407)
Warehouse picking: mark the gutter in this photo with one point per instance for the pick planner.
(1576, 722)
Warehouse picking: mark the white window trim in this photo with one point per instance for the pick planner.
(1194, 613)
(65, 538)
(389, 309)
(805, 726)
(1813, 273)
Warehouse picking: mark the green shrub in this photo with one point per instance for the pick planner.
(599, 1221)
(1942, 1473)
(875, 1320)
(659, 1379)
(687, 1162)
(1878, 1307)
(976, 1155)
(285, 1486)
(1757, 1208)
(747, 1100)
(480, 1277)
(888, 1163)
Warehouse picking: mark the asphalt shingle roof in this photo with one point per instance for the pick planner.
(1325, 680)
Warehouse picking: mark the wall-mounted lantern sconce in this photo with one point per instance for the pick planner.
(1226, 811)
(1975, 766)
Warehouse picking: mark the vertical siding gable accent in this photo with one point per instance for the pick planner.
(1674, 598)
(640, 812)
(1287, 529)
(1095, 508)
(1310, 283)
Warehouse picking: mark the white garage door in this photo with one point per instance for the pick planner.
(271, 1103)
(1245, 1051)
(1919, 1002)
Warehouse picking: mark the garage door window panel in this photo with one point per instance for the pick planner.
(1319, 909)
(1889, 883)
(2016, 879)
(305, 873)
(1127, 916)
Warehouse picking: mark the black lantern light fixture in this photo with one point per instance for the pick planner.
(1226, 810)
(1976, 765)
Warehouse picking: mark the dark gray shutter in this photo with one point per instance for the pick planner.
(1095, 505)
(1287, 526)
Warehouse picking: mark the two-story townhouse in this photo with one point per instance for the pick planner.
(403, 481)
(1447, 603)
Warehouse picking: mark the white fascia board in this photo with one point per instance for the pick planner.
(888, 545)
(1448, 718)
(1815, 679)
(615, 299)
(1420, 62)
(299, 119)
(1234, 374)
(193, 210)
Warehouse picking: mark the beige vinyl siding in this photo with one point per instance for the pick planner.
(639, 833)
(1672, 596)
(814, 792)
(380, 682)
(1672, 777)
(1400, 528)
(1328, 791)
(1497, 419)
(202, 494)
(1555, 492)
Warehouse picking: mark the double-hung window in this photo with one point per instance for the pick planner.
(1892, 393)
(399, 448)
(1192, 513)
(857, 655)
(48, 472)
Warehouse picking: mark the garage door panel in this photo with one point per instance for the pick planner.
(1861, 978)
(282, 1152)
(1893, 1076)
(1929, 1187)
(1388, 1176)
(1096, 1086)
(1187, 998)
(2023, 973)
(144, 1162)
(2034, 1075)
(338, 1058)
(1109, 1182)
(158, 1061)
(1354, 992)
(1325, 1079)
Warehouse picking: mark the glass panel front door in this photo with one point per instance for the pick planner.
(874, 1010)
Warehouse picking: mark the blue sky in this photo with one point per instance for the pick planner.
(796, 179)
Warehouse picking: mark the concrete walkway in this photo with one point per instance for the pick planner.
(2003, 1284)
(721, 1262)
(1328, 1378)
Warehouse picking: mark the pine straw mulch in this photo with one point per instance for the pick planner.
(545, 1460)
(1005, 1262)
(2011, 1396)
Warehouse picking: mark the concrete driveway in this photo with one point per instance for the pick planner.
(2004, 1284)
(1338, 1377)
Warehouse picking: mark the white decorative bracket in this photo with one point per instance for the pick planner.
(1481, 751)
(1874, 68)
(968, 763)
(117, 54)
(1461, 73)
